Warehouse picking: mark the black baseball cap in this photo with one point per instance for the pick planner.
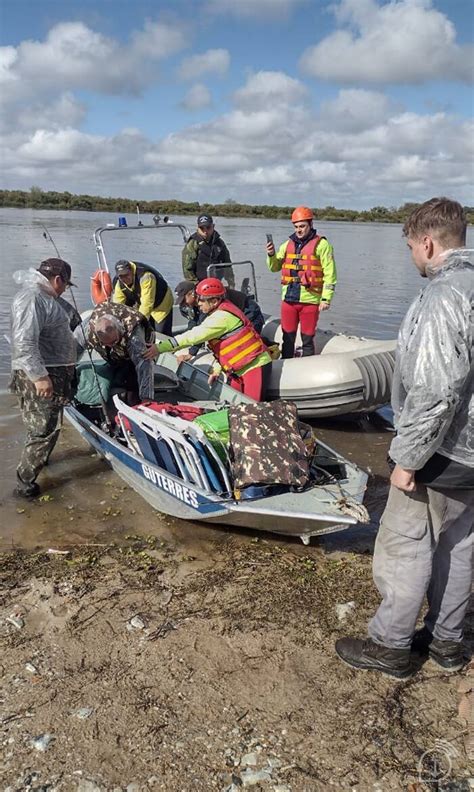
(182, 289)
(56, 266)
(204, 220)
(123, 266)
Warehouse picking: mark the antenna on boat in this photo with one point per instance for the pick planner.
(49, 238)
(139, 222)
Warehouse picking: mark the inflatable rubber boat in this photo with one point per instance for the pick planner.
(346, 375)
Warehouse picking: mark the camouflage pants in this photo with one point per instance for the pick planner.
(42, 418)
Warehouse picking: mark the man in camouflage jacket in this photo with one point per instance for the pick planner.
(120, 335)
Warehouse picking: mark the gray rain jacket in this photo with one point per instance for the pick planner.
(432, 393)
(41, 335)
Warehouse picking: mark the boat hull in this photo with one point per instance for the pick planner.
(280, 514)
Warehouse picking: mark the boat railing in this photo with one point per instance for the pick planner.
(248, 286)
(140, 228)
(178, 446)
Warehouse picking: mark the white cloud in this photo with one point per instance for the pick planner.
(80, 58)
(266, 88)
(402, 41)
(157, 40)
(197, 98)
(355, 110)
(255, 8)
(273, 146)
(266, 176)
(401, 156)
(214, 61)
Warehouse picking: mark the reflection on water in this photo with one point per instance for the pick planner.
(376, 285)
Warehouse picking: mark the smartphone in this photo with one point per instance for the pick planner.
(269, 239)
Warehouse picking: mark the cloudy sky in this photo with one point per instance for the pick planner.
(349, 103)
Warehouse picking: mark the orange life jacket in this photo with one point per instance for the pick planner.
(303, 267)
(241, 346)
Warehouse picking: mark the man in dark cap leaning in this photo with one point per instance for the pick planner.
(43, 359)
(204, 248)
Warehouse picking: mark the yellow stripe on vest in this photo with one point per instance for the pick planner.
(244, 352)
(225, 348)
(304, 257)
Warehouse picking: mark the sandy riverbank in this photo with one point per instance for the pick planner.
(160, 654)
(152, 669)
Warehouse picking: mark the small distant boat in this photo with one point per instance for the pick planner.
(175, 468)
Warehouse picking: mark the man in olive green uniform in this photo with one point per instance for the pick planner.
(204, 248)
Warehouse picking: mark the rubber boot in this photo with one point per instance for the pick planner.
(288, 348)
(308, 344)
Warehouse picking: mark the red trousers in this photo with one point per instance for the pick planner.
(253, 383)
(306, 316)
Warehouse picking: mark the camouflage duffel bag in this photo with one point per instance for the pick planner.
(266, 447)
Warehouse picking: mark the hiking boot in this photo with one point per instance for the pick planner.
(26, 490)
(370, 656)
(448, 655)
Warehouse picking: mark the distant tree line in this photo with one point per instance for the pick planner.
(36, 198)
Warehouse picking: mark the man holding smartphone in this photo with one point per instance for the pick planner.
(308, 279)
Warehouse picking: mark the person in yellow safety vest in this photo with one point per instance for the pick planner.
(144, 288)
(236, 345)
(308, 279)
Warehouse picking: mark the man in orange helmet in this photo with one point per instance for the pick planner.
(239, 351)
(308, 279)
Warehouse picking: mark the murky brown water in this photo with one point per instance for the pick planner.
(88, 502)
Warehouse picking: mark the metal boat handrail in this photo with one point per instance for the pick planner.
(211, 270)
(113, 228)
(173, 431)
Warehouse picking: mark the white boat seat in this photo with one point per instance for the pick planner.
(175, 445)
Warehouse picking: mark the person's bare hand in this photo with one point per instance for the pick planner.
(212, 378)
(44, 388)
(403, 479)
(270, 249)
(324, 306)
(151, 352)
(184, 357)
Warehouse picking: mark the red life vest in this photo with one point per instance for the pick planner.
(241, 346)
(303, 267)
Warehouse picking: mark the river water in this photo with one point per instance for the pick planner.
(377, 282)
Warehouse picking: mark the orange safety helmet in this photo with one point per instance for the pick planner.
(302, 213)
(210, 287)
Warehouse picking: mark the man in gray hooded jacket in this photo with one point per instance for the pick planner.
(424, 544)
(43, 358)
